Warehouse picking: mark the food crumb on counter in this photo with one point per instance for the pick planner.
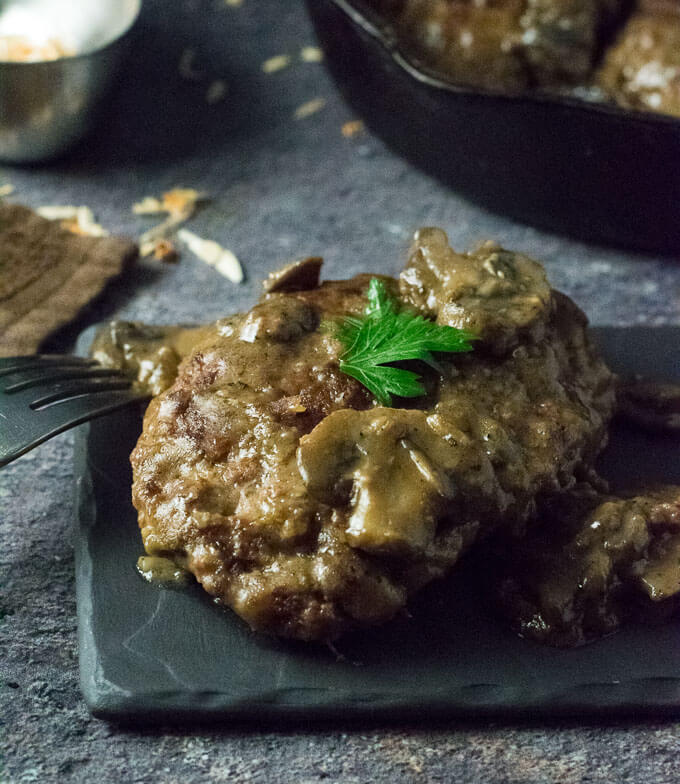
(216, 91)
(311, 54)
(149, 205)
(309, 108)
(164, 250)
(212, 253)
(77, 220)
(177, 201)
(276, 63)
(6, 190)
(233, 3)
(179, 204)
(352, 128)
(186, 67)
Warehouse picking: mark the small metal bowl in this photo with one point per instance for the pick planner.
(597, 172)
(47, 106)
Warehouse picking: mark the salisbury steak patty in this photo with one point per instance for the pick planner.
(299, 502)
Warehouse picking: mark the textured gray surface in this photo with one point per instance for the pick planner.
(281, 188)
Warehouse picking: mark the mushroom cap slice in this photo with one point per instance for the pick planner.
(395, 472)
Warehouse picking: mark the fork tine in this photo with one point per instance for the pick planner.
(15, 364)
(75, 411)
(22, 404)
(43, 395)
(46, 359)
(77, 388)
(34, 377)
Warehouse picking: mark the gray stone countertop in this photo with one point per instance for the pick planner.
(280, 188)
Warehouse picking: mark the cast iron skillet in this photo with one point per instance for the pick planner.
(593, 171)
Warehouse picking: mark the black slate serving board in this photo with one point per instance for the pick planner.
(154, 654)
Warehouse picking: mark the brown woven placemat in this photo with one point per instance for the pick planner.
(48, 274)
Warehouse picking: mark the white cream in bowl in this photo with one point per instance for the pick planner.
(35, 30)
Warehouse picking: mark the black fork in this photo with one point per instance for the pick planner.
(42, 395)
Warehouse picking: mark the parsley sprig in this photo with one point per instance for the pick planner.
(385, 335)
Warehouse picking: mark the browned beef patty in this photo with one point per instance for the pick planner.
(641, 70)
(309, 509)
(503, 44)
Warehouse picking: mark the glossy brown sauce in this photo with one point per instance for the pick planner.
(149, 354)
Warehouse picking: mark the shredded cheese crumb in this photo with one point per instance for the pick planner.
(311, 54)
(352, 128)
(309, 108)
(77, 220)
(6, 190)
(277, 63)
(212, 253)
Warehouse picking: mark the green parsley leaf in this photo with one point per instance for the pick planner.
(385, 335)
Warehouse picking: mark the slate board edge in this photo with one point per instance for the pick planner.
(647, 697)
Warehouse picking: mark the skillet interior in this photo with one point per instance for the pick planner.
(594, 171)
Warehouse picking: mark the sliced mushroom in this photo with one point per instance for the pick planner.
(499, 295)
(650, 405)
(591, 563)
(394, 471)
(279, 318)
(301, 275)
